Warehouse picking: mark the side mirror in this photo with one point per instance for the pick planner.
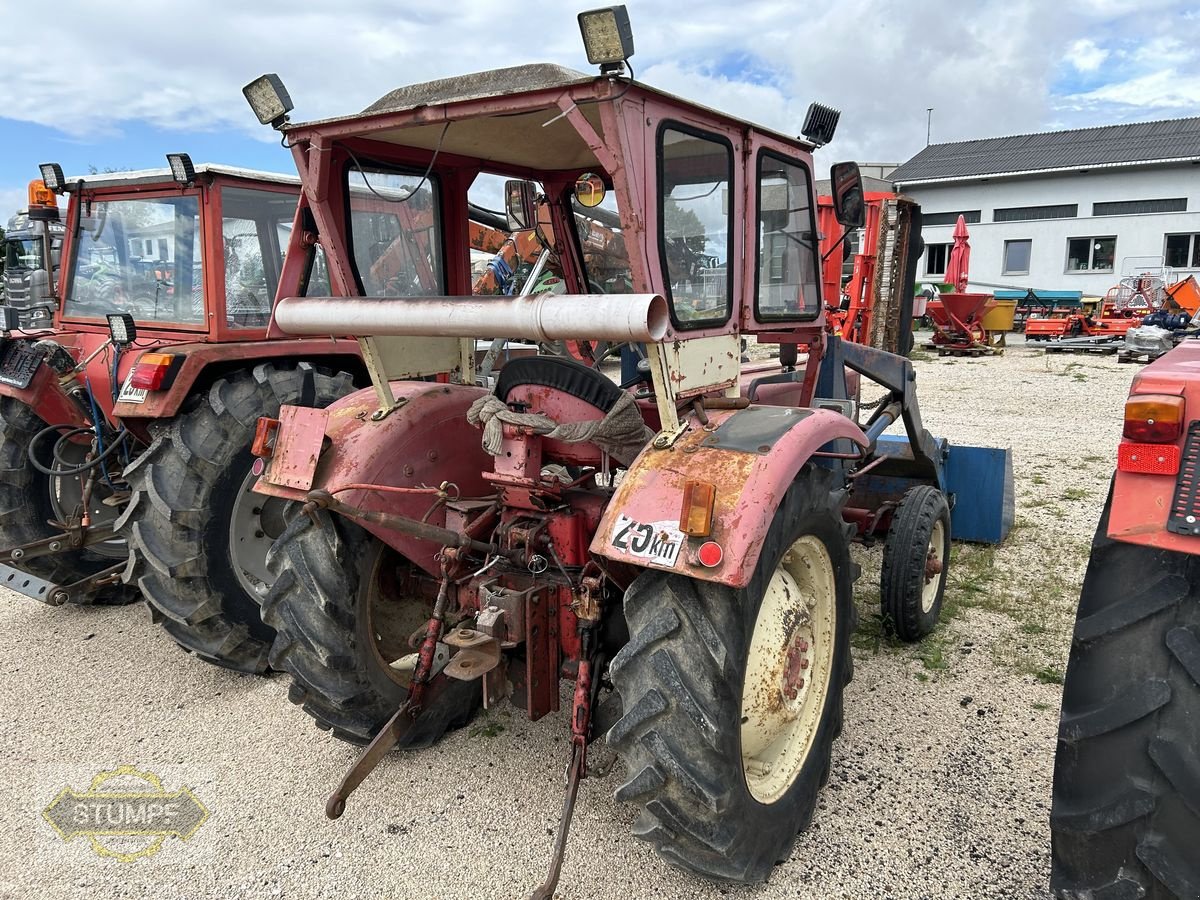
(848, 202)
(520, 203)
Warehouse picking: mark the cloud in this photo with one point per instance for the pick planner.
(1085, 56)
(987, 68)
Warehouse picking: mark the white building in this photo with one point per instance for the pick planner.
(1065, 210)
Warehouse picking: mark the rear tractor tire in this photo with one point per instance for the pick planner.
(339, 626)
(916, 557)
(720, 799)
(198, 535)
(1126, 797)
(30, 500)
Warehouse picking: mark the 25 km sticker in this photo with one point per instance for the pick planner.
(659, 542)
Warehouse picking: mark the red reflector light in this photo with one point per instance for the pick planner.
(1148, 459)
(1153, 418)
(264, 437)
(151, 371)
(710, 554)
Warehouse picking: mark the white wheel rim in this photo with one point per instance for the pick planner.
(788, 669)
(934, 564)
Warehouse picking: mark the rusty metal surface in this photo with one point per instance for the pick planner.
(297, 447)
(749, 488)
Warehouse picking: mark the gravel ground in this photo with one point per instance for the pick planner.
(940, 782)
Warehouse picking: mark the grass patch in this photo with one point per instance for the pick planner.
(1038, 479)
(1076, 493)
(932, 653)
(1047, 675)
(1092, 457)
(486, 729)
(1041, 707)
(1033, 628)
(920, 355)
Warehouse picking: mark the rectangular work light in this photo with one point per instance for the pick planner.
(121, 329)
(182, 170)
(607, 37)
(52, 177)
(269, 99)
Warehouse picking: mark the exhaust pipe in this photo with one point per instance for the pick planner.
(549, 317)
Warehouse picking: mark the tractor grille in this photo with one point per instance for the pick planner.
(1185, 506)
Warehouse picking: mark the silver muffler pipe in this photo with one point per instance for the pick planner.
(546, 317)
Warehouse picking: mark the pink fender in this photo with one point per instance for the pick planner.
(752, 471)
(424, 442)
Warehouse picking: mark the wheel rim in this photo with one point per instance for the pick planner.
(66, 495)
(788, 669)
(934, 564)
(254, 523)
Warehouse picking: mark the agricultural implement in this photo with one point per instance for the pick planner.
(677, 547)
(1123, 308)
(125, 426)
(1126, 807)
(959, 324)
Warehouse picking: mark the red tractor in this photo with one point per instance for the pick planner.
(125, 425)
(678, 547)
(1126, 811)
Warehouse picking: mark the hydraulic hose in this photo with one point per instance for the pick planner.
(67, 469)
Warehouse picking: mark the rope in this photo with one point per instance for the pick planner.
(621, 433)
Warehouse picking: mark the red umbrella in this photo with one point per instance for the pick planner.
(960, 257)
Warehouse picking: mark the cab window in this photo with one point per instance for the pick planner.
(695, 224)
(253, 224)
(787, 242)
(395, 233)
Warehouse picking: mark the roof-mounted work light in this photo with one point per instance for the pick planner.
(820, 123)
(607, 38)
(182, 170)
(269, 99)
(52, 177)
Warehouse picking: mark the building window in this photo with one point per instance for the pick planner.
(935, 258)
(1016, 257)
(970, 216)
(1138, 207)
(1091, 254)
(1182, 251)
(1032, 213)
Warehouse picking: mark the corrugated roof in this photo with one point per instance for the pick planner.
(1111, 145)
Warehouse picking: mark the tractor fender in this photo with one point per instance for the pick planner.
(203, 362)
(751, 456)
(422, 443)
(45, 396)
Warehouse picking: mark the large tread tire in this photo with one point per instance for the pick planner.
(315, 609)
(680, 679)
(902, 577)
(179, 515)
(26, 510)
(1126, 811)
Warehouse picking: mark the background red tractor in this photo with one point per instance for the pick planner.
(125, 427)
(1126, 810)
(678, 547)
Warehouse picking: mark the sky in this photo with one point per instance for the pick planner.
(129, 82)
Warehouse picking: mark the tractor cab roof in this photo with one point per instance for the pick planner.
(143, 177)
(513, 117)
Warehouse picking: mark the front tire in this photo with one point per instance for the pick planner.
(198, 536)
(916, 557)
(1126, 798)
(339, 627)
(721, 799)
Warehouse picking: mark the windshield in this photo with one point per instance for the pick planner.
(395, 234)
(23, 253)
(140, 257)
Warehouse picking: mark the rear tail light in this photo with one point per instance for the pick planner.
(695, 518)
(264, 437)
(1148, 459)
(1153, 418)
(155, 371)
